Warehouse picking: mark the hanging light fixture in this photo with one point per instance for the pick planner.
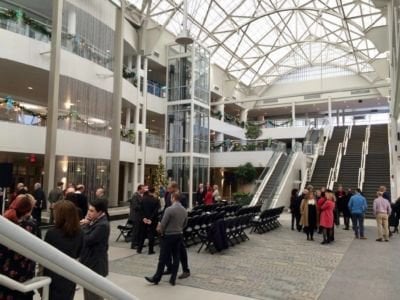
(184, 37)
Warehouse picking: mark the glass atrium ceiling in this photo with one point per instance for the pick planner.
(259, 41)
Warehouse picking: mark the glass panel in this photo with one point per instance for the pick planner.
(178, 138)
(178, 169)
(179, 78)
(201, 132)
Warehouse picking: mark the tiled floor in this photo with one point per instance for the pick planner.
(280, 264)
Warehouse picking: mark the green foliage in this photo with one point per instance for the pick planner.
(242, 198)
(252, 131)
(160, 178)
(246, 173)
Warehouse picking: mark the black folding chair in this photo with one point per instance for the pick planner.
(125, 231)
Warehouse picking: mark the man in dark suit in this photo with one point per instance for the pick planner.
(134, 214)
(81, 199)
(40, 198)
(149, 214)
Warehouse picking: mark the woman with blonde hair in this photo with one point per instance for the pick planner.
(12, 264)
(308, 210)
(67, 237)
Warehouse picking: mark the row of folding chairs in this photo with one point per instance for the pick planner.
(267, 220)
(197, 224)
(209, 208)
(231, 232)
(248, 210)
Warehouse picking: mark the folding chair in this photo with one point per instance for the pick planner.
(125, 231)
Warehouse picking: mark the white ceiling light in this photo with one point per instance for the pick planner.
(30, 88)
(184, 37)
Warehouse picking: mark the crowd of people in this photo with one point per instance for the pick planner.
(81, 230)
(320, 210)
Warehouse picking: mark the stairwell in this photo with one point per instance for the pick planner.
(377, 165)
(351, 161)
(266, 194)
(325, 163)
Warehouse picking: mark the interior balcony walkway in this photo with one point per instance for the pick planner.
(280, 264)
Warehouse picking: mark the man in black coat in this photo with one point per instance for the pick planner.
(134, 214)
(40, 198)
(149, 214)
(81, 199)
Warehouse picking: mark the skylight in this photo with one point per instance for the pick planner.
(260, 41)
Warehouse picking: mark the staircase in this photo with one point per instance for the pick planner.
(351, 162)
(377, 165)
(326, 162)
(267, 193)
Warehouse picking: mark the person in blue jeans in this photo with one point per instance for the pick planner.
(358, 206)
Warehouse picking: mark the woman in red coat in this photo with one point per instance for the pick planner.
(208, 200)
(326, 217)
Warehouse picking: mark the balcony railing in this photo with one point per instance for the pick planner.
(249, 145)
(156, 89)
(155, 141)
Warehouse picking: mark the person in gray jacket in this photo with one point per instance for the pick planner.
(171, 229)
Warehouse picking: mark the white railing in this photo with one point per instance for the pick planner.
(361, 170)
(27, 286)
(271, 167)
(28, 245)
(334, 172)
(310, 171)
(346, 139)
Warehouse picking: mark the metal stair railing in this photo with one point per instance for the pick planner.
(347, 135)
(268, 201)
(21, 241)
(334, 172)
(262, 180)
(361, 170)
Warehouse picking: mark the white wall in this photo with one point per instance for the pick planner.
(226, 128)
(310, 86)
(31, 139)
(284, 133)
(156, 104)
(152, 155)
(234, 159)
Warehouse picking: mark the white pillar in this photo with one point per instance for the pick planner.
(330, 111)
(243, 115)
(128, 118)
(126, 183)
(337, 117)
(343, 117)
(144, 117)
(130, 62)
(71, 26)
(293, 122)
(117, 106)
(53, 95)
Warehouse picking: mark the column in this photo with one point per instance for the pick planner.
(128, 118)
(293, 123)
(144, 117)
(126, 183)
(136, 179)
(243, 115)
(343, 117)
(130, 62)
(71, 27)
(53, 95)
(117, 106)
(337, 117)
(330, 111)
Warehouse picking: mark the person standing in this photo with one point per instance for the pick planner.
(308, 209)
(171, 229)
(382, 210)
(40, 198)
(67, 237)
(208, 199)
(54, 196)
(12, 264)
(96, 232)
(81, 199)
(200, 194)
(326, 217)
(134, 214)
(293, 198)
(358, 206)
(342, 206)
(149, 214)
